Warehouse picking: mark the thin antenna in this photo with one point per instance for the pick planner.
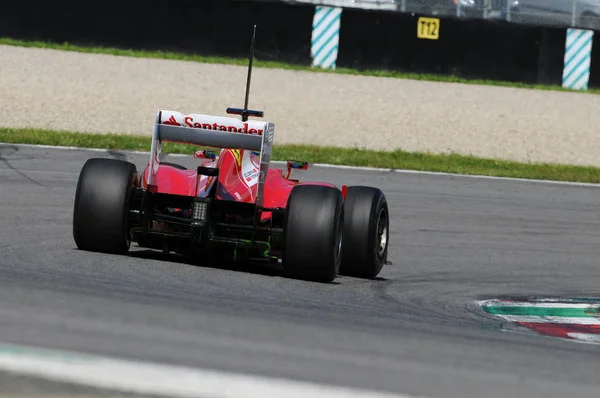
(245, 111)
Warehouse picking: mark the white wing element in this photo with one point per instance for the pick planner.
(206, 130)
(214, 123)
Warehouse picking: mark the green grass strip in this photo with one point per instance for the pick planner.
(397, 159)
(279, 65)
(543, 311)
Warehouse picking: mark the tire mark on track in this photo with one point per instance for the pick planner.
(4, 160)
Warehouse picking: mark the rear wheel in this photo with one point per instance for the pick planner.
(366, 232)
(102, 204)
(313, 228)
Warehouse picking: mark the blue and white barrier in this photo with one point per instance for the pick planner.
(578, 54)
(326, 36)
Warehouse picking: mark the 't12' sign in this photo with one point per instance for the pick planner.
(428, 28)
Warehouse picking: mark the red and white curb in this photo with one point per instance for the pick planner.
(571, 319)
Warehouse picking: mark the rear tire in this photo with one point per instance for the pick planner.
(313, 228)
(366, 232)
(102, 205)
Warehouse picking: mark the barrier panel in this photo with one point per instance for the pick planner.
(306, 34)
(205, 27)
(472, 49)
(325, 36)
(578, 48)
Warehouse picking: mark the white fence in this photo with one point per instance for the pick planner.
(583, 14)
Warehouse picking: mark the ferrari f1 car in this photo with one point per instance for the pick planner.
(233, 205)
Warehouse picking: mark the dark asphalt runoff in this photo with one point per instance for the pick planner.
(413, 331)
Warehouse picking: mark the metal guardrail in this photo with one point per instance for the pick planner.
(552, 13)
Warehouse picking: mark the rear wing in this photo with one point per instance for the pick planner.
(216, 132)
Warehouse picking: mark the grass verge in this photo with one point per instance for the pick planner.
(279, 65)
(398, 159)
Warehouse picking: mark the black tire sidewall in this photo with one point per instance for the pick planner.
(312, 226)
(381, 205)
(101, 205)
(360, 254)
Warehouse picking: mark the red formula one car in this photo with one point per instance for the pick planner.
(233, 206)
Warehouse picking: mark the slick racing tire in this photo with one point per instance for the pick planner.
(366, 232)
(101, 205)
(313, 228)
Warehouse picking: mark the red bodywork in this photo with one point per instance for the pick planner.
(237, 180)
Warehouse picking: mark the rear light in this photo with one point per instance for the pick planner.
(200, 211)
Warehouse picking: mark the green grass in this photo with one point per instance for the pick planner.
(279, 65)
(338, 156)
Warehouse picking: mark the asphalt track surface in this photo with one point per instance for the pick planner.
(413, 331)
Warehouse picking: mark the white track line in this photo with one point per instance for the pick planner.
(158, 379)
(342, 167)
(563, 320)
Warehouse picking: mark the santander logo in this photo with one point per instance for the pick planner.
(190, 122)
